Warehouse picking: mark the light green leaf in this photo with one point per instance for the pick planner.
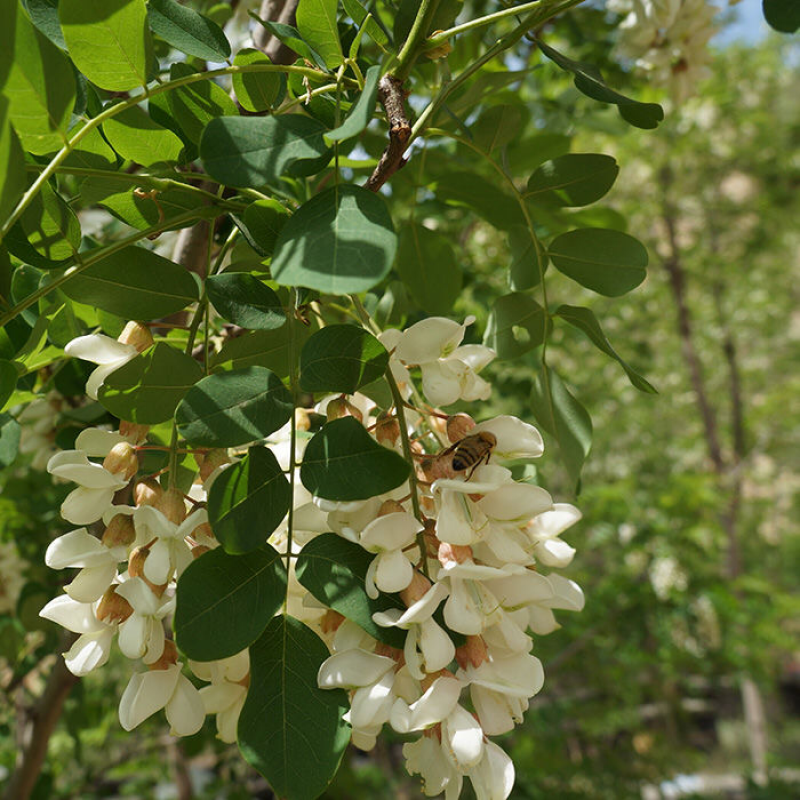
(188, 31)
(290, 730)
(497, 126)
(134, 135)
(528, 259)
(516, 325)
(123, 284)
(342, 241)
(606, 261)
(263, 221)
(262, 348)
(9, 439)
(232, 408)
(255, 91)
(8, 380)
(50, 226)
(194, 106)
(361, 113)
(109, 41)
(254, 151)
(358, 14)
(574, 179)
(343, 462)
(92, 151)
(248, 500)
(13, 180)
(291, 37)
(316, 21)
(584, 320)
(427, 263)
(341, 358)
(8, 27)
(224, 601)
(44, 15)
(244, 300)
(148, 388)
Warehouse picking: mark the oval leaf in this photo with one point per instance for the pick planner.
(224, 602)
(233, 408)
(248, 501)
(188, 31)
(316, 21)
(255, 91)
(269, 349)
(341, 358)
(516, 325)
(195, 105)
(575, 179)
(263, 221)
(528, 259)
(244, 300)
(608, 262)
(134, 135)
(342, 241)
(361, 113)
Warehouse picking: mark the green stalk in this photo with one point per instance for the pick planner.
(415, 40)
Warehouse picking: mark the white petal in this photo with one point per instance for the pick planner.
(521, 590)
(146, 693)
(416, 613)
(462, 611)
(436, 646)
(542, 620)
(493, 777)
(436, 703)
(76, 549)
(154, 645)
(133, 635)
(516, 501)
(552, 523)
(91, 582)
(475, 356)
(98, 376)
(228, 720)
(568, 595)
(84, 506)
(185, 712)
(553, 553)
(220, 696)
(390, 532)
(394, 572)
(90, 651)
(140, 596)
(73, 465)
(497, 712)
(97, 442)
(353, 668)
(429, 339)
(370, 705)
(72, 615)
(157, 565)
(462, 735)
(426, 759)
(460, 520)
(441, 381)
(100, 349)
(515, 438)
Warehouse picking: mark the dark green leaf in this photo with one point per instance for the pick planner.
(343, 462)
(244, 300)
(8, 380)
(134, 283)
(109, 41)
(584, 320)
(224, 601)
(269, 349)
(253, 151)
(575, 179)
(290, 730)
(342, 241)
(263, 221)
(358, 14)
(528, 259)
(148, 388)
(334, 571)
(134, 135)
(194, 106)
(516, 325)
(497, 127)
(9, 439)
(8, 25)
(291, 37)
(564, 418)
(44, 15)
(188, 31)
(13, 180)
(361, 113)
(316, 22)
(589, 81)
(782, 15)
(606, 261)
(248, 500)
(495, 206)
(341, 358)
(255, 91)
(530, 151)
(232, 408)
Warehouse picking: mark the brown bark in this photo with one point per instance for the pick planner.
(392, 97)
(282, 11)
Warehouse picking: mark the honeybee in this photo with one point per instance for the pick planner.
(469, 453)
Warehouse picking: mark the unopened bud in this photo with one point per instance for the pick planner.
(168, 657)
(438, 422)
(112, 607)
(132, 432)
(136, 334)
(453, 553)
(431, 677)
(341, 407)
(415, 590)
(302, 419)
(122, 460)
(211, 461)
(199, 549)
(172, 505)
(458, 426)
(120, 531)
(136, 569)
(390, 507)
(330, 621)
(473, 652)
(387, 429)
(147, 492)
(387, 650)
(203, 533)
(431, 540)
(440, 51)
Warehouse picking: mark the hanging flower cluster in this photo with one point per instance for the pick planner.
(468, 549)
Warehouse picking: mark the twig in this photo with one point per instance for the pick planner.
(392, 97)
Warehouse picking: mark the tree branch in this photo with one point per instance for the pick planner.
(392, 97)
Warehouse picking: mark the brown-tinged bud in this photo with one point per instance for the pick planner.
(244, 681)
(172, 505)
(302, 419)
(120, 531)
(387, 429)
(203, 533)
(112, 607)
(168, 657)
(136, 569)
(459, 426)
(415, 590)
(387, 650)
(132, 432)
(434, 732)
(390, 507)
(211, 461)
(430, 537)
(440, 51)
(199, 549)
(147, 492)
(427, 505)
(439, 466)
(136, 334)
(453, 553)
(330, 621)
(473, 652)
(122, 460)
(429, 679)
(438, 422)
(341, 407)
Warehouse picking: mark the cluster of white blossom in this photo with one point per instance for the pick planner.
(468, 549)
(669, 39)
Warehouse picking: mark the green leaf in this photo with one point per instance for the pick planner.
(109, 41)
(341, 358)
(9, 439)
(8, 26)
(497, 127)
(50, 226)
(248, 500)
(358, 14)
(255, 91)
(361, 113)
(291, 37)
(254, 151)
(44, 15)
(343, 462)
(123, 284)
(290, 730)
(606, 261)
(188, 31)
(8, 380)
(92, 151)
(148, 388)
(316, 22)
(342, 241)
(782, 15)
(134, 135)
(13, 180)
(528, 259)
(482, 196)
(224, 601)
(427, 263)
(564, 418)
(232, 408)
(40, 89)
(589, 81)
(516, 325)
(269, 349)
(194, 106)
(246, 301)
(575, 179)
(334, 570)
(263, 221)
(584, 320)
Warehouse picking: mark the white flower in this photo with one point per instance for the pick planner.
(388, 536)
(515, 438)
(493, 777)
(142, 634)
(170, 553)
(426, 758)
(544, 531)
(227, 693)
(103, 350)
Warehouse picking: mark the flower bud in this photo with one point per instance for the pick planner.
(341, 407)
(136, 334)
(387, 429)
(440, 51)
(132, 432)
(122, 460)
(474, 652)
(172, 505)
(199, 549)
(459, 426)
(431, 677)
(203, 534)
(112, 607)
(390, 507)
(430, 537)
(211, 461)
(387, 650)
(438, 422)
(119, 532)
(415, 590)
(168, 657)
(136, 569)
(453, 553)
(302, 419)
(147, 492)
(330, 621)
